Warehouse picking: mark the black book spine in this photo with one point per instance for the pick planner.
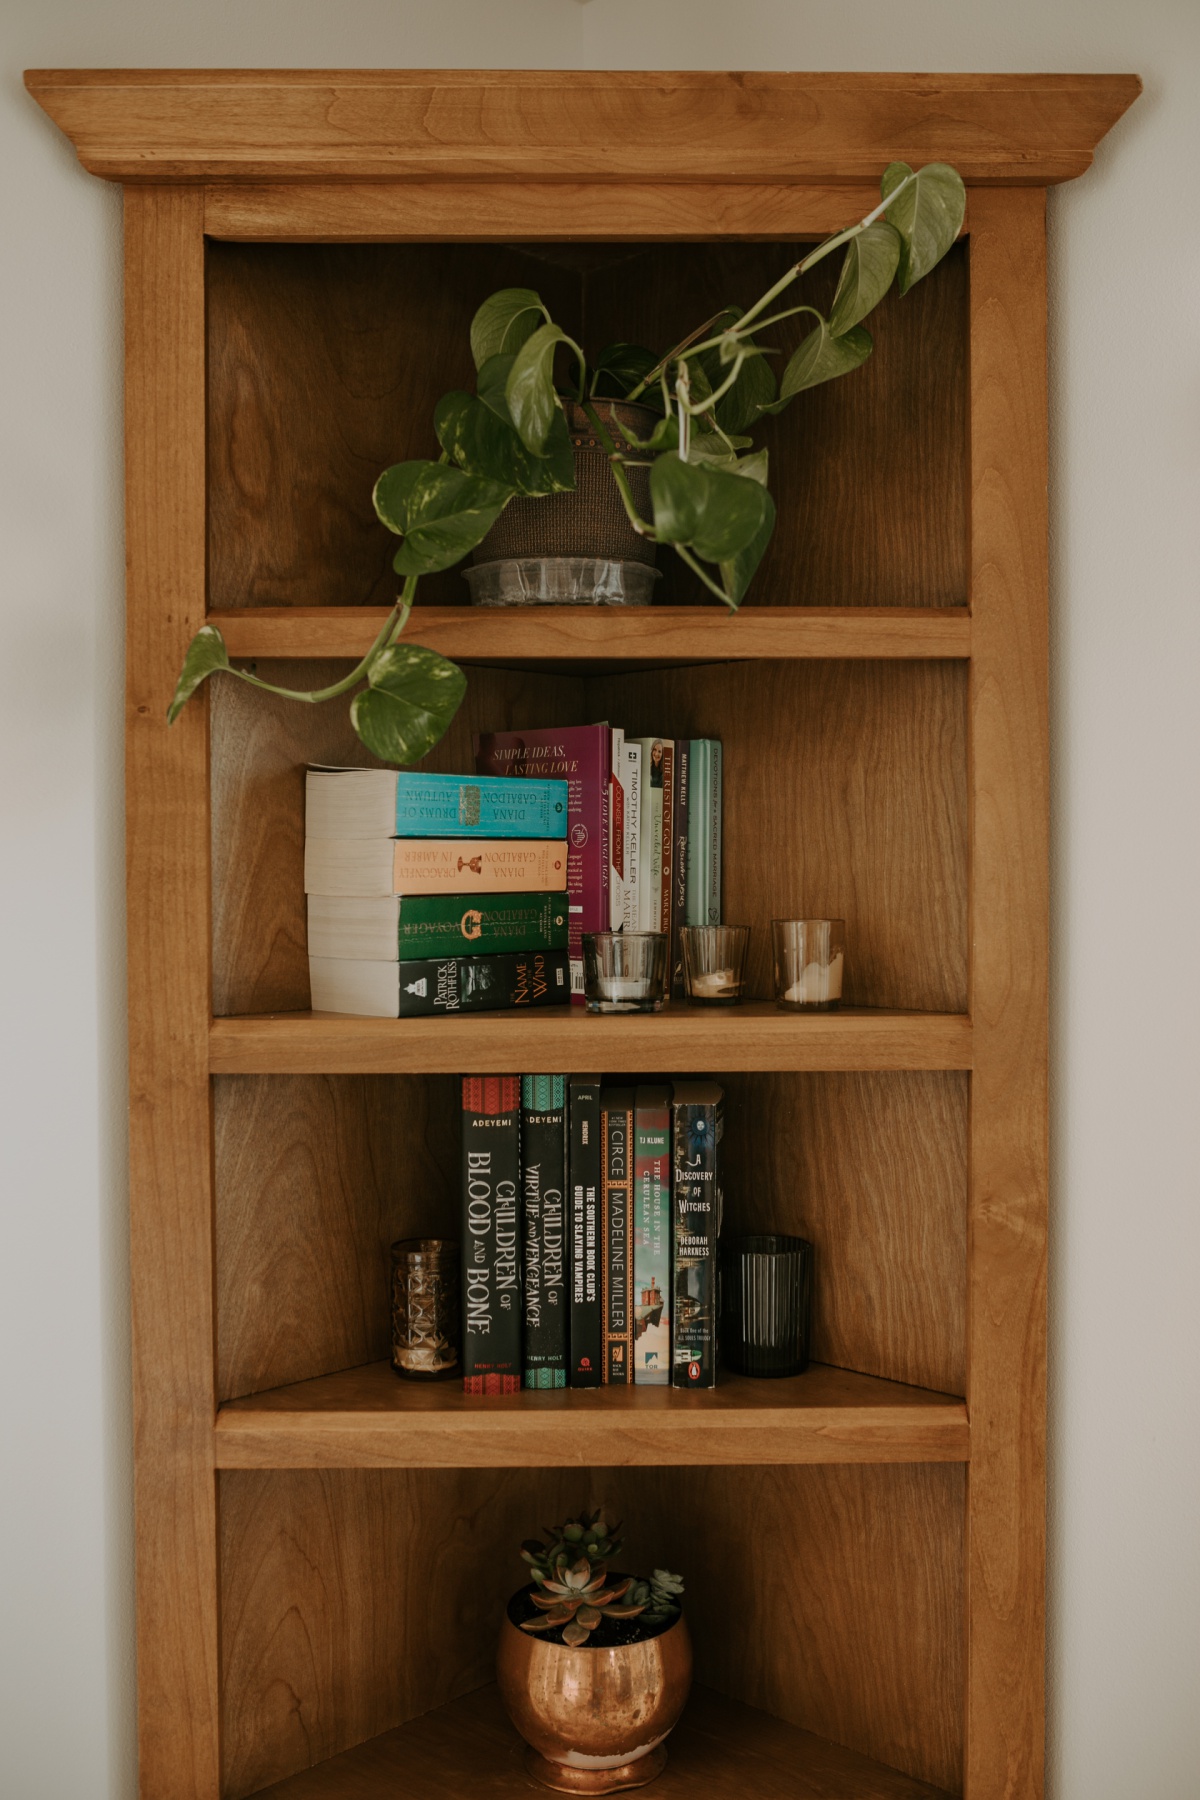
(679, 816)
(544, 1175)
(491, 1233)
(585, 1177)
(697, 1126)
(616, 1234)
(513, 980)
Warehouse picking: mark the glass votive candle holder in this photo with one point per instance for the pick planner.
(426, 1313)
(714, 963)
(808, 963)
(766, 1288)
(624, 971)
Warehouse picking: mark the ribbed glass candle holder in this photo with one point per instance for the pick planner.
(766, 1286)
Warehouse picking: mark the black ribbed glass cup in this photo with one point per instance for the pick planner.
(766, 1299)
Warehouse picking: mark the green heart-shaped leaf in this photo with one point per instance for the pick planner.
(503, 323)
(440, 512)
(205, 655)
(821, 357)
(481, 443)
(529, 390)
(737, 572)
(713, 513)
(620, 367)
(412, 697)
(870, 263)
(754, 389)
(928, 214)
(490, 384)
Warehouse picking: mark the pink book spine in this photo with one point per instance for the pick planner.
(580, 755)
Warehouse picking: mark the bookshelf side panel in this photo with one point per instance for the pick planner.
(170, 1134)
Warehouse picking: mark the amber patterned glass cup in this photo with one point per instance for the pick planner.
(425, 1308)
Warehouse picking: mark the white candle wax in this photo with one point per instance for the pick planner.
(623, 987)
(714, 985)
(818, 982)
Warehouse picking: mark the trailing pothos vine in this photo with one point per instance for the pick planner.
(708, 485)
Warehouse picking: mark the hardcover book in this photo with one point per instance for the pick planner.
(391, 927)
(585, 1172)
(704, 833)
(616, 1232)
(650, 869)
(582, 756)
(491, 1234)
(630, 914)
(544, 1179)
(667, 851)
(697, 1127)
(444, 984)
(366, 866)
(652, 1236)
(381, 803)
(616, 831)
(679, 862)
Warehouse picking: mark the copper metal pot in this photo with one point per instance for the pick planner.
(592, 520)
(594, 1719)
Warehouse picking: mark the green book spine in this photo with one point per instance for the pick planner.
(544, 1178)
(703, 897)
(480, 924)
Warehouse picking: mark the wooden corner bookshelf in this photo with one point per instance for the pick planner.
(323, 1552)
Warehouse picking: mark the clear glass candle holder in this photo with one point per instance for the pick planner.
(426, 1314)
(809, 954)
(624, 971)
(714, 963)
(766, 1303)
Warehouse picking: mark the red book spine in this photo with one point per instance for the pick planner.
(580, 755)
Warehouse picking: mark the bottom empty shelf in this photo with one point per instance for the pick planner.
(720, 1751)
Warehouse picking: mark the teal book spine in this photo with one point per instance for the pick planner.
(703, 877)
(488, 806)
(544, 1183)
(433, 925)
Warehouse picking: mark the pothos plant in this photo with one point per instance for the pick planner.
(572, 1587)
(708, 484)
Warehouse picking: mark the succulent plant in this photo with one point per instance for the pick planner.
(570, 1570)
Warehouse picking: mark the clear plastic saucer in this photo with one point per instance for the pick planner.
(561, 581)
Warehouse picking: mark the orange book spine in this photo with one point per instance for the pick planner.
(479, 866)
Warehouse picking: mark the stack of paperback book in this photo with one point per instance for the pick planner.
(590, 1219)
(644, 827)
(434, 893)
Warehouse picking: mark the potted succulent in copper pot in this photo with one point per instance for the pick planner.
(594, 1667)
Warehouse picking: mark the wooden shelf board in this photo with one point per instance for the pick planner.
(563, 1040)
(370, 1418)
(720, 1750)
(661, 634)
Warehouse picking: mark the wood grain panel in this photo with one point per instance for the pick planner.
(1006, 1371)
(873, 1170)
(167, 865)
(498, 211)
(831, 1597)
(261, 746)
(561, 1039)
(845, 797)
(306, 124)
(591, 634)
(353, 1600)
(316, 1177)
(369, 1419)
(868, 472)
(324, 366)
(720, 1750)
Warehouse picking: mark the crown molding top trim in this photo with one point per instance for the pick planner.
(254, 125)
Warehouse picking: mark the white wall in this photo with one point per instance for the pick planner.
(1125, 1457)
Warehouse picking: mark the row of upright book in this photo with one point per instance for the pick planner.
(451, 893)
(590, 1221)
